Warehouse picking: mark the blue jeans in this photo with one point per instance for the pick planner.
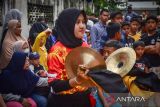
(40, 100)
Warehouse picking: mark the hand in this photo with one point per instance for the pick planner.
(81, 74)
(26, 103)
(81, 77)
(42, 73)
(48, 31)
(108, 103)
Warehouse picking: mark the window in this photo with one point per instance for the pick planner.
(36, 11)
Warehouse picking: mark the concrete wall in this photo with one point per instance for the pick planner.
(149, 6)
(143, 5)
(22, 6)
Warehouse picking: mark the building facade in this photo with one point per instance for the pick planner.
(141, 5)
(33, 9)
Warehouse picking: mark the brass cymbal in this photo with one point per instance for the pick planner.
(82, 56)
(121, 61)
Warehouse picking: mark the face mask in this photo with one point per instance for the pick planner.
(26, 50)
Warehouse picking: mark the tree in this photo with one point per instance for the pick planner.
(111, 5)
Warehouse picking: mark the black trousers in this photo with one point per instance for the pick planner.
(79, 99)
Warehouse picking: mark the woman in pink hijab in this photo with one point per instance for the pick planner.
(13, 34)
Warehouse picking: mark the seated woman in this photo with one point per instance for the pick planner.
(12, 14)
(19, 80)
(13, 34)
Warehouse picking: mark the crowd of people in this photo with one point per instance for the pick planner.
(32, 70)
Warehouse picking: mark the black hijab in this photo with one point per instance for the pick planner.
(65, 27)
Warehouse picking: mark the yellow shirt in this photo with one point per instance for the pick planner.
(41, 50)
(134, 89)
(136, 37)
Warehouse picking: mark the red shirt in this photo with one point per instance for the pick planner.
(56, 60)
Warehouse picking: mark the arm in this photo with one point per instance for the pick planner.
(100, 93)
(6, 53)
(42, 82)
(105, 103)
(60, 85)
(2, 103)
(63, 85)
(151, 49)
(18, 98)
(54, 66)
(158, 47)
(12, 97)
(41, 37)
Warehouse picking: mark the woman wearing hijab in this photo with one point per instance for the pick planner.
(21, 46)
(12, 14)
(71, 25)
(13, 34)
(18, 80)
(36, 28)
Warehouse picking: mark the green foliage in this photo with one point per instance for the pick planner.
(111, 5)
(88, 10)
(99, 3)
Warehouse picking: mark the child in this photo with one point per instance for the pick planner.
(141, 62)
(113, 33)
(134, 29)
(39, 47)
(125, 28)
(35, 65)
